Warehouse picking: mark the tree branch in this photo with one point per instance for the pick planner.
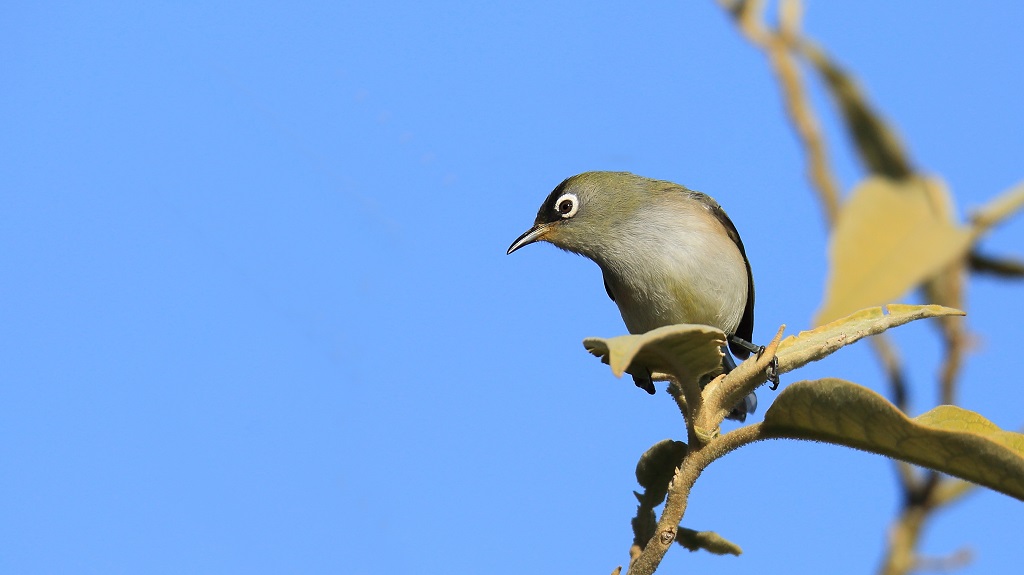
(1002, 267)
(749, 20)
(696, 460)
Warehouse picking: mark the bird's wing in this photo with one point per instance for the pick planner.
(746, 328)
(607, 287)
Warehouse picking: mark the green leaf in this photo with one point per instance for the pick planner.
(807, 346)
(682, 350)
(876, 142)
(948, 439)
(656, 468)
(707, 540)
(890, 236)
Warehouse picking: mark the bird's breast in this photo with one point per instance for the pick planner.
(677, 274)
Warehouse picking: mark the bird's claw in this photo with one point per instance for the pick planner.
(772, 371)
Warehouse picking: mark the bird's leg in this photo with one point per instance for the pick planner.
(773, 367)
(739, 341)
(728, 363)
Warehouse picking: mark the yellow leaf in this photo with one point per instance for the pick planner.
(684, 350)
(890, 236)
(955, 418)
(807, 346)
(948, 439)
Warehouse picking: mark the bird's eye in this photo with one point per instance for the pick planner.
(567, 204)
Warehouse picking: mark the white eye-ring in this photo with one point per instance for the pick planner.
(566, 205)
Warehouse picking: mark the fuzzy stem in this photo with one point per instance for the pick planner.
(679, 492)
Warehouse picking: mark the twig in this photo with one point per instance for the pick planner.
(997, 210)
(750, 23)
(882, 153)
(724, 393)
(686, 475)
(893, 366)
(900, 557)
(1002, 267)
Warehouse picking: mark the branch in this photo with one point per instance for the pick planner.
(1003, 267)
(749, 20)
(725, 392)
(686, 475)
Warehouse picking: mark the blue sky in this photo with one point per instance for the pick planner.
(258, 317)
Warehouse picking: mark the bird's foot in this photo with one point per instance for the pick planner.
(773, 373)
(773, 368)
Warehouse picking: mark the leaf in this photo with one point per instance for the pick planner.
(707, 540)
(656, 468)
(955, 418)
(890, 236)
(807, 346)
(688, 348)
(877, 144)
(948, 439)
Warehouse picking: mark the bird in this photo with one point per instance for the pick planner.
(668, 255)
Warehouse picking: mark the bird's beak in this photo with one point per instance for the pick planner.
(534, 234)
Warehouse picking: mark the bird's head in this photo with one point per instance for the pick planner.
(584, 213)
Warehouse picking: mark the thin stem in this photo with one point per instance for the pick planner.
(904, 535)
(679, 492)
(775, 46)
(1002, 267)
(951, 365)
(893, 366)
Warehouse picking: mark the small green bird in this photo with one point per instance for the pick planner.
(668, 255)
